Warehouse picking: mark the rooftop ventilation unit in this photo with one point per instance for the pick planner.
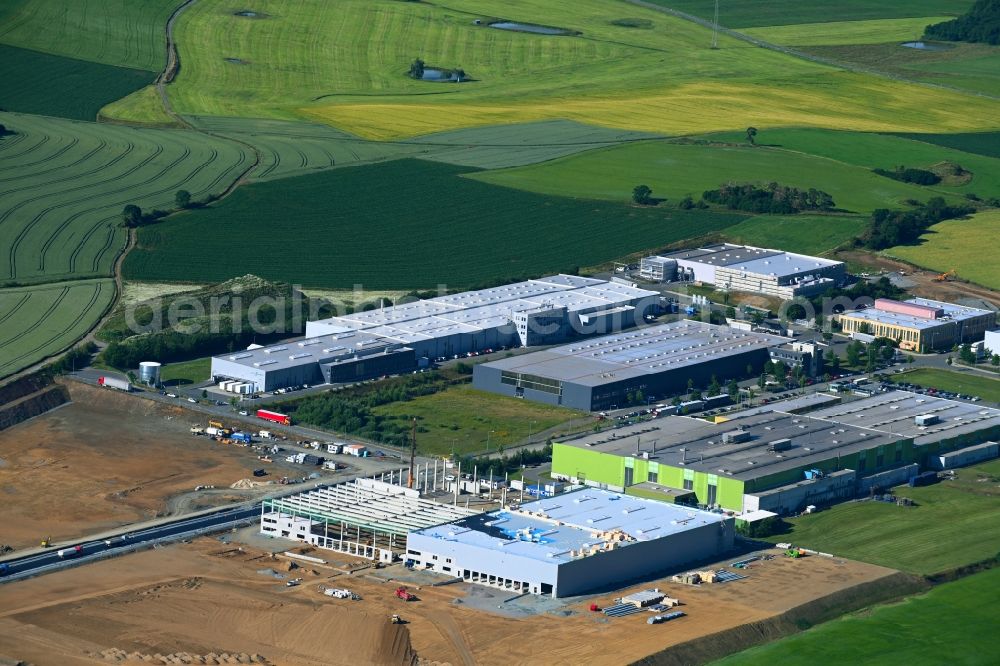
(236, 357)
(260, 364)
(782, 444)
(273, 350)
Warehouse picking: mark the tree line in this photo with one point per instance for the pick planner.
(980, 24)
(888, 228)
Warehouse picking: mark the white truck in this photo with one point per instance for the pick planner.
(339, 594)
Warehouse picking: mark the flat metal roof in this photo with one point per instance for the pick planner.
(385, 509)
(637, 352)
(549, 529)
(319, 349)
(489, 308)
(895, 412)
(952, 312)
(797, 405)
(759, 260)
(691, 443)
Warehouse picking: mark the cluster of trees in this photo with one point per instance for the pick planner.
(132, 215)
(888, 228)
(74, 359)
(980, 24)
(880, 350)
(352, 411)
(773, 198)
(910, 175)
(418, 67)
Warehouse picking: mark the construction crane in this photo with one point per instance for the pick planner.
(944, 276)
(413, 453)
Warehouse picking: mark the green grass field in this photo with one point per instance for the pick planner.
(954, 523)
(143, 107)
(63, 185)
(36, 322)
(980, 74)
(749, 13)
(674, 170)
(958, 244)
(400, 225)
(876, 31)
(969, 383)
(807, 234)
(978, 143)
(34, 82)
(463, 419)
(954, 623)
(187, 372)
(878, 150)
(124, 33)
(658, 80)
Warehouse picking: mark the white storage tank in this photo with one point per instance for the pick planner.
(149, 373)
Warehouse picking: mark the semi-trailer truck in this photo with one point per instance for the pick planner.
(275, 417)
(66, 553)
(115, 383)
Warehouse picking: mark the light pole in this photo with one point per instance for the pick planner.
(530, 423)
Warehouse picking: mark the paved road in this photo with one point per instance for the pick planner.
(92, 550)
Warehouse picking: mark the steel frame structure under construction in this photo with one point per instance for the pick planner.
(363, 518)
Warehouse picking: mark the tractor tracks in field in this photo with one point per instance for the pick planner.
(796, 53)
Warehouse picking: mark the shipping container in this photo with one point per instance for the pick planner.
(276, 417)
(115, 383)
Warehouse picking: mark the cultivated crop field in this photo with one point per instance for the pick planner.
(806, 234)
(464, 420)
(748, 13)
(960, 244)
(980, 143)
(402, 224)
(876, 31)
(124, 33)
(674, 170)
(64, 185)
(608, 75)
(954, 523)
(954, 623)
(42, 320)
(33, 82)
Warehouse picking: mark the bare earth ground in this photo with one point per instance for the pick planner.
(926, 286)
(206, 598)
(107, 459)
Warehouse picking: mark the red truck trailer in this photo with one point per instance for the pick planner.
(283, 419)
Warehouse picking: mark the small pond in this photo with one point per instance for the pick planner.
(431, 74)
(924, 46)
(529, 27)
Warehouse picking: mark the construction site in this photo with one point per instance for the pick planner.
(105, 459)
(244, 598)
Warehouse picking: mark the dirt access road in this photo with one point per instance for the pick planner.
(926, 286)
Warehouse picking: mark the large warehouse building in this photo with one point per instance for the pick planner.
(920, 324)
(727, 464)
(536, 312)
(600, 373)
(372, 343)
(747, 269)
(777, 461)
(571, 544)
(934, 424)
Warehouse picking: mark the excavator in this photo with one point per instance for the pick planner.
(944, 276)
(47, 542)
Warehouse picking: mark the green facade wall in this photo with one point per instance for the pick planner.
(610, 469)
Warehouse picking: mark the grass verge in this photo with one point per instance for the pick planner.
(954, 382)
